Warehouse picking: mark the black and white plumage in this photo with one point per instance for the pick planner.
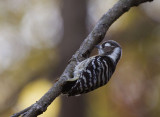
(95, 71)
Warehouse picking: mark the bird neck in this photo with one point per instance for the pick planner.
(115, 55)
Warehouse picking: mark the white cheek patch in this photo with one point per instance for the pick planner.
(115, 53)
(100, 51)
(107, 44)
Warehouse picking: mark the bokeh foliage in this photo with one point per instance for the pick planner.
(31, 34)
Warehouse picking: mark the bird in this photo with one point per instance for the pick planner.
(95, 71)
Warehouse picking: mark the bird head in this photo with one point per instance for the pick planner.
(111, 49)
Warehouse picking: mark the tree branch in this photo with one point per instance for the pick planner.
(94, 38)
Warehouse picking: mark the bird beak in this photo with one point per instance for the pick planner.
(97, 46)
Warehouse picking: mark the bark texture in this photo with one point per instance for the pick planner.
(94, 38)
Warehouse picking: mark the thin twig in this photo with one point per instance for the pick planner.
(94, 38)
(22, 112)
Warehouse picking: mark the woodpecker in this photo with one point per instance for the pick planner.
(94, 71)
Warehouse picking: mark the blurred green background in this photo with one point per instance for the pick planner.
(38, 37)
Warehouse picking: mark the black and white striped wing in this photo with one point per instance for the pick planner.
(96, 74)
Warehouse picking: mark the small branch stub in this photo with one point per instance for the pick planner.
(94, 38)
